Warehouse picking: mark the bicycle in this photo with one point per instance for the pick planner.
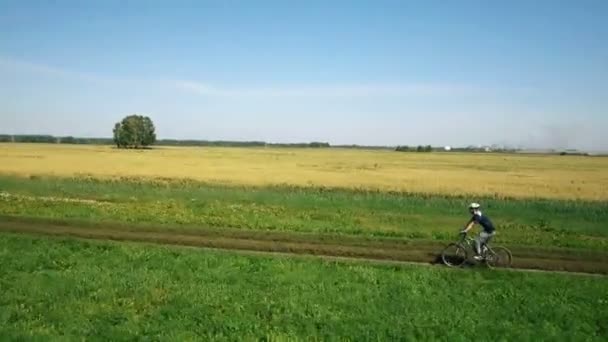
(456, 254)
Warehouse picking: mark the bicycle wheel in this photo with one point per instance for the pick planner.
(498, 257)
(454, 255)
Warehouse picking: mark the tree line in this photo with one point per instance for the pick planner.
(419, 148)
(50, 139)
(138, 131)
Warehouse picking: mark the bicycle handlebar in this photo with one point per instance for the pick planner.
(463, 236)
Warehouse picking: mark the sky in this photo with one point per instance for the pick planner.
(521, 73)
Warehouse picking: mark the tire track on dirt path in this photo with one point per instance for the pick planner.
(362, 249)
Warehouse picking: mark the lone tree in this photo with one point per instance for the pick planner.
(134, 131)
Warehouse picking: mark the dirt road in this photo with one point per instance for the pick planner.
(351, 247)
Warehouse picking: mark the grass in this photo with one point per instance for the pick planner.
(359, 247)
(498, 175)
(187, 205)
(69, 290)
(359, 201)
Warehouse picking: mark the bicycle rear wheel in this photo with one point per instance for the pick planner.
(454, 255)
(498, 257)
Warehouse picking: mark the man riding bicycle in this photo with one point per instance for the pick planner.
(488, 228)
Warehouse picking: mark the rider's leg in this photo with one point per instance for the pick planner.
(482, 240)
(488, 239)
(478, 242)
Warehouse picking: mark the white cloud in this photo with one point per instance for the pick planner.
(356, 90)
(339, 90)
(45, 70)
(195, 87)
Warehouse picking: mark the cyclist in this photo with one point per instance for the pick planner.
(488, 228)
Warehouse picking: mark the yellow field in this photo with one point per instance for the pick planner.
(442, 173)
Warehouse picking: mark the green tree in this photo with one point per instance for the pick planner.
(149, 133)
(134, 131)
(118, 135)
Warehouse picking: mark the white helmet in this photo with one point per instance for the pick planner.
(474, 206)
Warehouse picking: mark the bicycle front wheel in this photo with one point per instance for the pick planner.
(454, 255)
(499, 257)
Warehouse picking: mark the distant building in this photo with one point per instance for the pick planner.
(448, 148)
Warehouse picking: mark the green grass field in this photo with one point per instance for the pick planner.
(69, 289)
(186, 205)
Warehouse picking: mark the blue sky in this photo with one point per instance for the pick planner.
(532, 73)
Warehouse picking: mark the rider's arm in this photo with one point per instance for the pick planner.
(469, 225)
